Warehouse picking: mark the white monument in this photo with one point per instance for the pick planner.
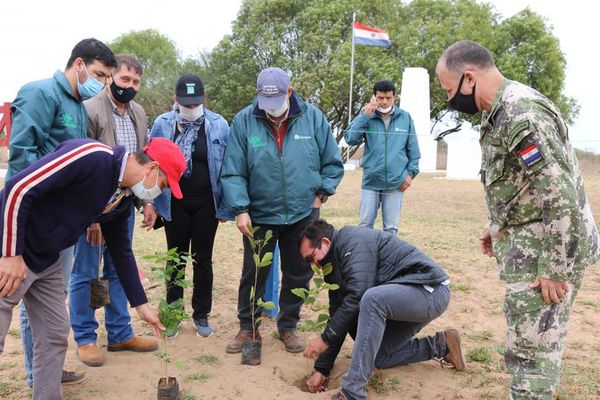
(464, 153)
(414, 98)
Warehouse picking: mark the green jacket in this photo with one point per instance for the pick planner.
(279, 188)
(390, 154)
(44, 114)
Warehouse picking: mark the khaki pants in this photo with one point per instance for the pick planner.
(44, 297)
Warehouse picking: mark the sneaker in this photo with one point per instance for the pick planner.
(293, 343)
(72, 378)
(455, 355)
(173, 333)
(90, 354)
(137, 343)
(203, 328)
(235, 343)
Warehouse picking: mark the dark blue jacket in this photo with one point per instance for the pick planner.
(46, 206)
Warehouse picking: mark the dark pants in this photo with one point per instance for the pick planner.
(193, 220)
(295, 273)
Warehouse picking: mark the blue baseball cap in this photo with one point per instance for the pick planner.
(272, 87)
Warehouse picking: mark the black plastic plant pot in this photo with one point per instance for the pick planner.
(99, 294)
(168, 389)
(251, 352)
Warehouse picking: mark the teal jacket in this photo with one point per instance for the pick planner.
(44, 114)
(279, 188)
(391, 154)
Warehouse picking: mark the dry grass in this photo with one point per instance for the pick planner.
(441, 217)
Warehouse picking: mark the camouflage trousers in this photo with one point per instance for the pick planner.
(535, 339)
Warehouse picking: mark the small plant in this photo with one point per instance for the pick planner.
(383, 384)
(206, 359)
(317, 315)
(266, 260)
(165, 269)
(481, 355)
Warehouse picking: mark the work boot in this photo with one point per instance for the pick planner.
(71, 378)
(293, 344)
(235, 343)
(90, 354)
(136, 343)
(455, 355)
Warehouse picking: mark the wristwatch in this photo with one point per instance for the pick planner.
(322, 197)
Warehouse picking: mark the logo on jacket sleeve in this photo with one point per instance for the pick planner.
(531, 155)
(67, 120)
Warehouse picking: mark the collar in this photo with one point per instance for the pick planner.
(61, 78)
(294, 109)
(487, 115)
(122, 172)
(114, 106)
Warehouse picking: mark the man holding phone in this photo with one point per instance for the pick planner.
(391, 156)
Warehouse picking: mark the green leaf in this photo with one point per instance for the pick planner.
(254, 229)
(251, 241)
(331, 286)
(318, 282)
(252, 294)
(300, 292)
(268, 305)
(314, 267)
(327, 269)
(310, 300)
(266, 260)
(323, 318)
(256, 260)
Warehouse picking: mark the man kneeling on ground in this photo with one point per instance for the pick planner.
(388, 291)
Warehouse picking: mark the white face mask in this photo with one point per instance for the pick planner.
(140, 191)
(191, 114)
(278, 112)
(384, 110)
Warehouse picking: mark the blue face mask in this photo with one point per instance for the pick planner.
(90, 87)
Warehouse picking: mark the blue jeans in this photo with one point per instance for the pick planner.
(83, 317)
(390, 315)
(65, 259)
(391, 203)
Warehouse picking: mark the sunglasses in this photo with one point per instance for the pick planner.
(309, 258)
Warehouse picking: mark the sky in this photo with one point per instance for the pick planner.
(38, 37)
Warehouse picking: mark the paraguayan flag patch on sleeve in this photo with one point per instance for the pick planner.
(531, 155)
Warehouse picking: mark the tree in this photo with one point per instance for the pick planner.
(311, 39)
(162, 63)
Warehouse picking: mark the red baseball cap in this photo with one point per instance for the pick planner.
(170, 160)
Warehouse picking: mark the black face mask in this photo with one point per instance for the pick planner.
(122, 95)
(464, 102)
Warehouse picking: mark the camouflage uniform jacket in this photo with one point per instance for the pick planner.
(539, 216)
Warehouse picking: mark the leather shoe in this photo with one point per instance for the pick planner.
(293, 344)
(136, 343)
(235, 343)
(455, 355)
(90, 354)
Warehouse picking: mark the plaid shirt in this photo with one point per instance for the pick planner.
(125, 130)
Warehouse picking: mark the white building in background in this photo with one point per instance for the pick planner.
(464, 153)
(414, 98)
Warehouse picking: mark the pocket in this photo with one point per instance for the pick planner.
(520, 299)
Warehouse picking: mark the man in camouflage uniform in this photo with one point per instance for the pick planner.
(541, 227)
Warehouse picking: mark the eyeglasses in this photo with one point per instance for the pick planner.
(309, 258)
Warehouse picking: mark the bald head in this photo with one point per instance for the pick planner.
(465, 54)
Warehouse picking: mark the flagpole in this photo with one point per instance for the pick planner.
(351, 82)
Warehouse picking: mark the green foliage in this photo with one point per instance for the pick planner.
(206, 359)
(169, 267)
(200, 377)
(311, 39)
(383, 384)
(163, 65)
(261, 259)
(481, 355)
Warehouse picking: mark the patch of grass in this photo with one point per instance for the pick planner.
(7, 365)
(481, 355)
(199, 376)
(206, 359)
(461, 286)
(486, 335)
(181, 365)
(275, 335)
(185, 395)
(6, 389)
(594, 305)
(14, 332)
(384, 384)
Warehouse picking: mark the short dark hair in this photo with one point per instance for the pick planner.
(316, 231)
(143, 158)
(90, 50)
(384, 86)
(125, 60)
(467, 53)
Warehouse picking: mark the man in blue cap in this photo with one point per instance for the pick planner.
(280, 165)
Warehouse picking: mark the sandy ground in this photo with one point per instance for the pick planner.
(441, 217)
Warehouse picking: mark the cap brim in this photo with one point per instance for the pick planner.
(186, 101)
(175, 189)
(271, 103)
